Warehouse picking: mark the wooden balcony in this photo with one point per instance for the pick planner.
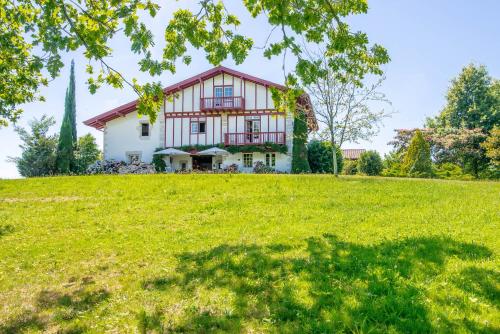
(254, 138)
(231, 103)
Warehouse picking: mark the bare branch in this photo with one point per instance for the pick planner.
(342, 106)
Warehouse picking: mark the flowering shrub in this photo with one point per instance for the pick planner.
(233, 168)
(105, 167)
(261, 168)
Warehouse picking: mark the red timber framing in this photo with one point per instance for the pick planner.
(236, 107)
(165, 123)
(254, 138)
(173, 123)
(225, 103)
(182, 119)
(259, 112)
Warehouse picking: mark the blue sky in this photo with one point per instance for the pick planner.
(428, 41)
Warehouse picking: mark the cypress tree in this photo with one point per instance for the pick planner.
(417, 161)
(71, 103)
(65, 147)
(68, 136)
(300, 163)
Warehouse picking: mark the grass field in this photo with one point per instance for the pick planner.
(249, 254)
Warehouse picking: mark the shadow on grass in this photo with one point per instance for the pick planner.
(333, 286)
(6, 229)
(54, 307)
(480, 282)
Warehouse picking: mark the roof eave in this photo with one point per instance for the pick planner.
(122, 110)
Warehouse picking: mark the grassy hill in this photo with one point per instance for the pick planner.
(248, 253)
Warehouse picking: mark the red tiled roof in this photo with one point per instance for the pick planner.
(214, 72)
(352, 153)
(99, 121)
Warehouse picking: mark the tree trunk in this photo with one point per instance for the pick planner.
(334, 156)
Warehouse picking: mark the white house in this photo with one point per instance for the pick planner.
(220, 107)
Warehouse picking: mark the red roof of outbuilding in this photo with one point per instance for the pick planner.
(352, 153)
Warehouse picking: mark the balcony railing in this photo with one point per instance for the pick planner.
(222, 103)
(254, 138)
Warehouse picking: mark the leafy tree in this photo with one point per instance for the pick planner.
(370, 163)
(320, 155)
(461, 147)
(492, 147)
(448, 145)
(457, 134)
(65, 154)
(417, 161)
(403, 138)
(473, 101)
(86, 153)
(34, 33)
(300, 163)
(342, 103)
(38, 156)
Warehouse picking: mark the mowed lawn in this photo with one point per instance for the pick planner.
(249, 254)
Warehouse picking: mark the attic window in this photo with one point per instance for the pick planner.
(145, 129)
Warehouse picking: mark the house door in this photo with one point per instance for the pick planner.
(202, 163)
(252, 129)
(219, 96)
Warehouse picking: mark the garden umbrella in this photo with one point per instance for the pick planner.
(215, 151)
(171, 152)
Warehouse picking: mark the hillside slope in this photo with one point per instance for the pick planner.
(248, 253)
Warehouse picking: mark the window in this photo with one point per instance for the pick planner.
(271, 159)
(144, 129)
(133, 157)
(202, 127)
(248, 160)
(194, 127)
(252, 129)
(223, 91)
(198, 127)
(228, 91)
(219, 92)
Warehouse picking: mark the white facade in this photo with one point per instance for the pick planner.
(122, 138)
(223, 108)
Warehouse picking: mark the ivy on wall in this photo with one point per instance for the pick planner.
(233, 149)
(158, 161)
(300, 163)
